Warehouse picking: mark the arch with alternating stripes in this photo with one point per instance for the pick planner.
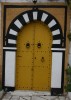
(58, 53)
(33, 15)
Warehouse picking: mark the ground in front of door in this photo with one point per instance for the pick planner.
(22, 95)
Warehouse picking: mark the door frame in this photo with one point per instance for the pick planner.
(9, 50)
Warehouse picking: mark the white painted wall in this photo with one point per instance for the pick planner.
(56, 70)
(10, 58)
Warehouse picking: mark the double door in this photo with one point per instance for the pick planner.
(34, 57)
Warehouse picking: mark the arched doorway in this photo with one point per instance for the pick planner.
(10, 48)
(34, 57)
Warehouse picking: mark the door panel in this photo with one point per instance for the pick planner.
(41, 79)
(43, 56)
(33, 60)
(23, 81)
(24, 58)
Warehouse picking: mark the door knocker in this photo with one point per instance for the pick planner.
(27, 45)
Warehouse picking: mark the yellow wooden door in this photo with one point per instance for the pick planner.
(43, 57)
(24, 58)
(33, 60)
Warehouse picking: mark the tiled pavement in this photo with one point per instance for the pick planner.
(32, 96)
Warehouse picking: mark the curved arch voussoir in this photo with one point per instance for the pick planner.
(33, 15)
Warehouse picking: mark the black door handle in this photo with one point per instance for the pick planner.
(27, 45)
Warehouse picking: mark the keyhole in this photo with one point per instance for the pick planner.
(39, 45)
(42, 59)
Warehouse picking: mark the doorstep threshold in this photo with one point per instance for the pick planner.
(30, 93)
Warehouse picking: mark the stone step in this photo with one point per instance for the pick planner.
(15, 96)
(29, 93)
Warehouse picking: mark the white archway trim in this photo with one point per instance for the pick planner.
(13, 32)
(52, 23)
(18, 24)
(11, 41)
(26, 18)
(56, 41)
(35, 15)
(10, 48)
(59, 49)
(44, 16)
(56, 32)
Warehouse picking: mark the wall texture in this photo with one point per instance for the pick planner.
(0, 43)
(31, 0)
(70, 45)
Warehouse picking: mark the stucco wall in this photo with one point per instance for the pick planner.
(70, 47)
(0, 42)
(31, 0)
